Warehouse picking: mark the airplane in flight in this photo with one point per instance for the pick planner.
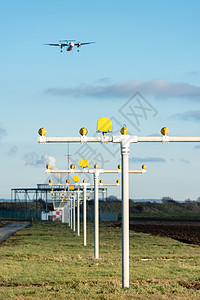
(69, 44)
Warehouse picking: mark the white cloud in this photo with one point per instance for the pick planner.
(155, 87)
(12, 151)
(190, 115)
(2, 132)
(148, 159)
(185, 160)
(35, 160)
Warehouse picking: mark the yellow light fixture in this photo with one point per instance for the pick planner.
(164, 131)
(42, 131)
(104, 125)
(67, 181)
(144, 167)
(84, 163)
(71, 187)
(101, 181)
(96, 166)
(83, 131)
(124, 130)
(76, 178)
(48, 166)
(119, 166)
(72, 166)
(84, 181)
(50, 181)
(117, 181)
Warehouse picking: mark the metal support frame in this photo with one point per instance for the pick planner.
(31, 195)
(96, 173)
(125, 141)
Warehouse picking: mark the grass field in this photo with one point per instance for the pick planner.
(48, 261)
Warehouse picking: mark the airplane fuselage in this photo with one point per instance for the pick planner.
(71, 45)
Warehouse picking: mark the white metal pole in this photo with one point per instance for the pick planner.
(71, 213)
(96, 215)
(74, 213)
(78, 214)
(125, 214)
(68, 213)
(84, 217)
(64, 214)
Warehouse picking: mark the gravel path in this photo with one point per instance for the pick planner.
(8, 230)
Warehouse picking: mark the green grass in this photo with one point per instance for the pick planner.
(48, 261)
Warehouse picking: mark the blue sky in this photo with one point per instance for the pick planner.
(146, 47)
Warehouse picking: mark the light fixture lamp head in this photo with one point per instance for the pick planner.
(76, 178)
(164, 131)
(83, 131)
(84, 163)
(104, 125)
(42, 131)
(124, 130)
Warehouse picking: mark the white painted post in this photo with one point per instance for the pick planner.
(71, 213)
(96, 214)
(84, 217)
(68, 216)
(74, 213)
(125, 214)
(69, 208)
(78, 214)
(64, 214)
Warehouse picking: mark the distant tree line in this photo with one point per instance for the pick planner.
(167, 199)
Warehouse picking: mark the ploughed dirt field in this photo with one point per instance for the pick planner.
(186, 231)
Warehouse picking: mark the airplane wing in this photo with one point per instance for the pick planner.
(80, 44)
(57, 44)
